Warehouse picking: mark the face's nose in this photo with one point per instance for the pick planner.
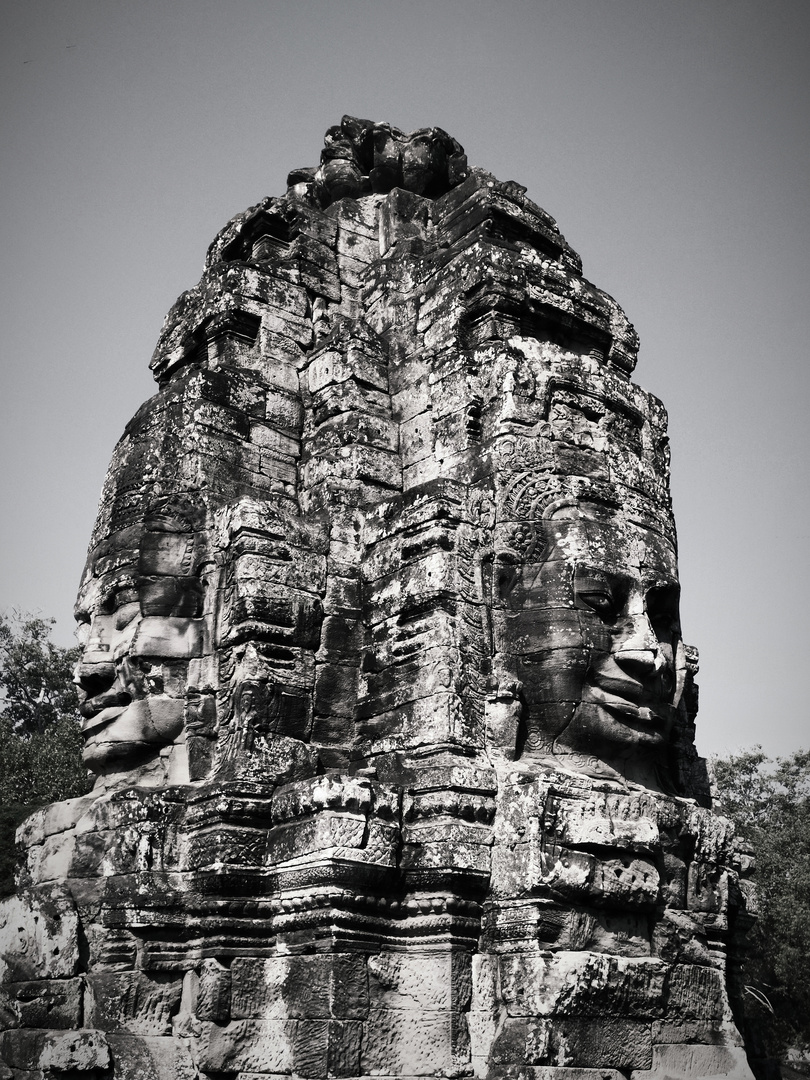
(98, 687)
(638, 652)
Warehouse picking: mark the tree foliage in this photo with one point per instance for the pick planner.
(769, 801)
(36, 676)
(40, 728)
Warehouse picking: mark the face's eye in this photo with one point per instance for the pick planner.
(597, 591)
(127, 594)
(121, 604)
(125, 613)
(600, 601)
(117, 596)
(662, 607)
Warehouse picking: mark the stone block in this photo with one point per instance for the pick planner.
(613, 932)
(679, 937)
(332, 986)
(213, 1002)
(342, 596)
(332, 366)
(317, 835)
(410, 1042)
(133, 1001)
(340, 638)
(450, 854)
(707, 888)
(221, 845)
(621, 883)
(581, 984)
(150, 1058)
(262, 1046)
(51, 860)
(563, 1072)
(607, 821)
(310, 1049)
(483, 1025)
(424, 980)
(333, 731)
(696, 1062)
(282, 409)
(417, 723)
(695, 1031)
(39, 935)
(46, 1003)
(382, 844)
(695, 992)
(345, 1041)
(175, 638)
(268, 436)
(56, 1052)
(606, 1042)
(335, 689)
(55, 818)
(520, 1039)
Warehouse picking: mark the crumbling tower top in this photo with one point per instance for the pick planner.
(360, 157)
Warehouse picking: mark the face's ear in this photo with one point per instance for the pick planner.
(171, 595)
(167, 583)
(273, 574)
(166, 553)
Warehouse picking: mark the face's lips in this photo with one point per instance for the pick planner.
(98, 720)
(107, 700)
(646, 709)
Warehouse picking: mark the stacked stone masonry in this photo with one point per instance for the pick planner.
(383, 680)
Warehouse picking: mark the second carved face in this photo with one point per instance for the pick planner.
(594, 632)
(140, 625)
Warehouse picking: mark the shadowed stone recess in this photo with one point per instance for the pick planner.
(383, 682)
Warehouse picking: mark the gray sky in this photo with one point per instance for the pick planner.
(669, 139)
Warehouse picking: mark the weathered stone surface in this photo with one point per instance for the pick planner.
(52, 1003)
(577, 985)
(383, 678)
(150, 1058)
(39, 936)
(132, 1001)
(253, 1046)
(76, 1052)
(407, 1042)
(677, 1062)
(302, 987)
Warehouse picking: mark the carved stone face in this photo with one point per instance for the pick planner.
(596, 630)
(139, 626)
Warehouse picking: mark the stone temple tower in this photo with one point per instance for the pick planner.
(383, 680)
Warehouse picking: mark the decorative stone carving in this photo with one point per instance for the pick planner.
(383, 679)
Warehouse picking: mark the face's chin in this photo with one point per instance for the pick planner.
(129, 733)
(613, 726)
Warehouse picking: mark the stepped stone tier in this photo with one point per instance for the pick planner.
(383, 680)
